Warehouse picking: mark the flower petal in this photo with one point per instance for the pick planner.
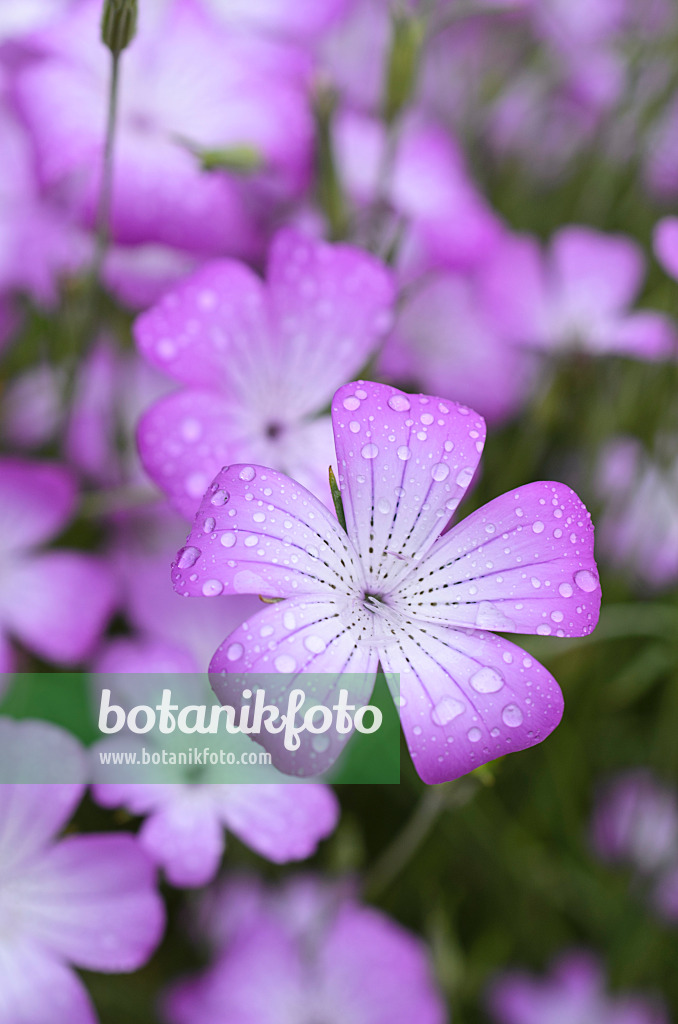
(281, 822)
(595, 273)
(36, 988)
(92, 899)
(58, 603)
(468, 697)
(405, 462)
(521, 564)
(289, 643)
(36, 501)
(329, 305)
(31, 814)
(258, 532)
(185, 837)
(210, 330)
(184, 439)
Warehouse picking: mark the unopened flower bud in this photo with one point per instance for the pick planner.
(119, 24)
(407, 38)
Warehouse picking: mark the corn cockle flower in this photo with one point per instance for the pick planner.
(574, 993)
(577, 296)
(187, 812)
(86, 900)
(307, 952)
(392, 589)
(259, 362)
(55, 602)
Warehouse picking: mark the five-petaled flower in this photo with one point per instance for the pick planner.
(392, 589)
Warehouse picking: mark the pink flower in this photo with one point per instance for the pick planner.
(187, 811)
(392, 589)
(574, 993)
(55, 602)
(85, 900)
(445, 340)
(308, 952)
(186, 82)
(258, 362)
(577, 296)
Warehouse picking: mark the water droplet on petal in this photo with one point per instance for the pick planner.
(370, 451)
(486, 680)
(512, 716)
(446, 710)
(212, 588)
(209, 525)
(228, 539)
(289, 621)
(285, 663)
(464, 477)
(219, 497)
(320, 743)
(354, 426)
(399, 403)
(586, 580)
(235, 651)
(314, 644)
(474, 735)
(404, 453)
(538, 527)
(565, 590)
(352, 403)
(383, 506)
(247, 473)
(187, 557)
(440, 471)
(259, 517)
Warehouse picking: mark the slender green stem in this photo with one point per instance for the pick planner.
(400, 851)
(103, 226)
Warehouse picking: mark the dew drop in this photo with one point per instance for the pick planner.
(212, 588)
(234, 652)
(370, 451)
(512, 716)
(446, 710)
(314, 644)
(474, 735)
(585, 580)
(440, 471)
(247, 473)
(219, 497)
(187, 557)
(320, 743)
(399, 403)
(259, 517)
(565, 590)
(538, 527)
(209, 525)
(383, 506)
(486, 680)
(426, 419)
(352, 403)
(354, 426)
(404, 453)
(464, 477)
(285, 663)
(228, 539)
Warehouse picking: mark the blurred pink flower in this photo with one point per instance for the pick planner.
(259, 362)
(186, 81)
(444, 340)
(638, 528)
(577, 296)
(187, 810)
(574, 993)
(85, 900)
(635, 821)
(55, 602)
(308, 952)
(393, 590)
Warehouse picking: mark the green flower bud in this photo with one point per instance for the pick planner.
(119, 24)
